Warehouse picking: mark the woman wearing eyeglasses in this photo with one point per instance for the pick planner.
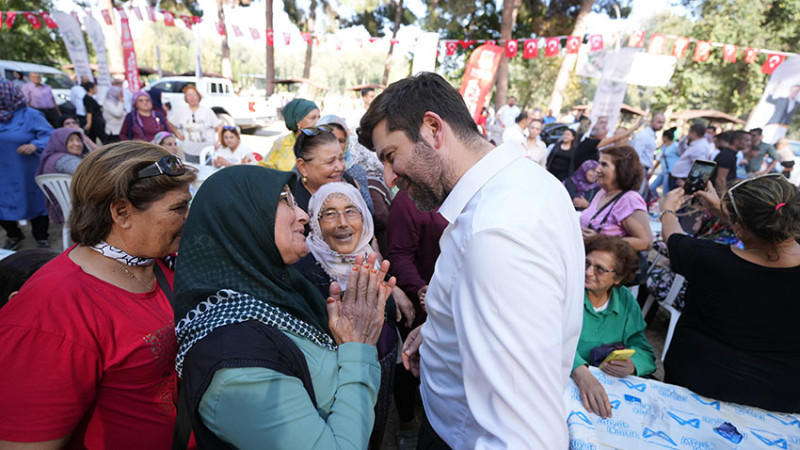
(198, 126)
(144, 122)
(89, 342)
(737, 339)
(264, 362)
(612, 320)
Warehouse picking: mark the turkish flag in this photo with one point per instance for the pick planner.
(530, 48)
(255, 34)
(750, 55)
(10, 16)
(729, 52)
(373, 40)
(186, 21)
(573, 44)
(107, 16)
(121, 12)
(552, 47)
(596, 42)
(636, 39)
(338, 45)
(32, 19)
(702, 50)
(151, 13)
(511, 48)
(657, 44)
(237, 31)
(196, 19)
(772, 63)
(169, 19)
(137, 12)
(306, 37)
(74, 14)
(221, 29)
(465, 44)
(394, 41)
(451, 47)
(48, 20)
(680, 46)
(270, 37)
(360, 43)
(287, 38)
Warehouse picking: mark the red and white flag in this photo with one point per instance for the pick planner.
(186, 21)
(680, 46)
(48, 20)
(573, 44)
(729, 52)
(129, 57)
(107, 16)
(636, 39)
(255, 34)
(221, 29)
(657, 44)
(287, 38)
(773, 61)
(511, 48)
(450, 47)
(306, 37)
(530, 48)
(32, 19)
(75, 15)
(137, 12)
(552, 47)
(151, 13)
(702, 51)
(121, 12)
(169, 19)
(750, 55)
(270, 37)
(596, 42)
(237, 31)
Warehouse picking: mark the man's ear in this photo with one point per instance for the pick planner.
(433, 129)
(121, 213)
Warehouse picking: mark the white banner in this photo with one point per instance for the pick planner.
(70, 31)
(779, 103)
(95, 32)
(425, 53)
(607, 102)
(629, 65)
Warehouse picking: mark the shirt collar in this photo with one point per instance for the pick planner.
(613, 303)
(474, 179)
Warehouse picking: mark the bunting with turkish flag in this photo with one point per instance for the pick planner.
(773, 61)
(137, 12)
(530, 48)
(450, 47)
(121, 12)
(465, 44)
(596, 42)
(75, 15)
(186, 21)
(551, 47)
(680, 46)
(151, 13)
(657, 44)
(107, 16)
(287, 38)
(702, 51)
(306, 37)
(255, 34)
(270, 37)
(32, 19)
(511, 48)
(237, 31)
(10, 16)
(48, 20)
(636, 39)
(729, 52)
(221, 29)
(573, 44)
(750, 55)
(169, 19)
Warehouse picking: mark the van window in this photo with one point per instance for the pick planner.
(175, 87)
(227, 89)
(213, 88)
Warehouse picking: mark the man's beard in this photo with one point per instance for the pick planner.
(427, 178)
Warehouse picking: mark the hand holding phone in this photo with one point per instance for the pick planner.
(619, 355)
(699, 175)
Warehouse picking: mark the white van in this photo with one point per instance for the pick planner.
(58, 81)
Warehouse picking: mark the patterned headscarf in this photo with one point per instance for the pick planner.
(579, 177)
(11, 99)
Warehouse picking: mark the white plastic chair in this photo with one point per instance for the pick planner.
(56, 188)
(674, 314)
(205, 154)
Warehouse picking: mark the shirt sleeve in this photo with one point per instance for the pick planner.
(126, 123)
(629, 203)
(256, 408)
(773, 153)
(644, 360)
(47, 384)
(41, 128)
(511, 344)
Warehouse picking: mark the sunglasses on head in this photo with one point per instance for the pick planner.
(730, 191)
(167, 165)
(229, 127)
(315, 131)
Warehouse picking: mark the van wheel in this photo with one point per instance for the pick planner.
(226, 119)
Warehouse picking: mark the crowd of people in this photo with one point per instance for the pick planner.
(275, 310)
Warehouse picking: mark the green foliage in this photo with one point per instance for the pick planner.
(23, 43)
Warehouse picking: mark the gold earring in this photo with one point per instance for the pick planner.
(305, 179)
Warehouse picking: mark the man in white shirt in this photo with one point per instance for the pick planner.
(76, 94)
(535, 148)
(645, 141)
(693, 146)
(508, 113)
(516, 132)
(505, 302)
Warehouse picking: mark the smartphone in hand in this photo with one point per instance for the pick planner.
(699, 175)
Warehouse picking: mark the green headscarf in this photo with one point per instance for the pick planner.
(228, 242)
(295, 110)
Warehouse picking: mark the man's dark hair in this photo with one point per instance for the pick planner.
(738, 134)
(88, 85)
(404, 103)
(698, 129)
(366, 91)
(726, 137)
(757, 131)
(522, 116)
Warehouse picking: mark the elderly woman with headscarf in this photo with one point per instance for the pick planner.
(64, 151)
(264, 362)
(23, 134)
(297, 114)
(582, 185)
(143, 122)
(113, 112)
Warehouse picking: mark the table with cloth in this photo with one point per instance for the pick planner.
(651, 414)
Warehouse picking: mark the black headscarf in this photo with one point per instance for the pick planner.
(228, 242)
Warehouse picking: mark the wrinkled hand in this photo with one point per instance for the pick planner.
(411, 351)
(619, 369)
(580, 202)
(404, 306)
(358, 315)
(421, 296)
(26, 149)
(675, 199)
(593, 395)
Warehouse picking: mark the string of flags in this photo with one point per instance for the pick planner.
(531, 47)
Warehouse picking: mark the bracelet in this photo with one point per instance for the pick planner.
(667, 211)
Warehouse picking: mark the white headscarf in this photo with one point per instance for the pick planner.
(336, 264)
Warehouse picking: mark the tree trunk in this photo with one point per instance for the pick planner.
(270, 54)
(227, 71)
(398, 17)
(113, 39)
(557, 98)
(509, 18)
(312, 17)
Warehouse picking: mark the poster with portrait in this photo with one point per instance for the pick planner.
(776, 110)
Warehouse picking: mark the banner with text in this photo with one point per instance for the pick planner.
(129, 57)
(479, 77)
(95, 33)
(71, 34)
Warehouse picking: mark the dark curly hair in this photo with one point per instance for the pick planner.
(628, 167)
(626, 260)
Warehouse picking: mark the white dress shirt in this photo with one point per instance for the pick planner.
(504, 308)
(76, 94)
(507, 115)
(645, 144)
(516, 135)
(697, 149)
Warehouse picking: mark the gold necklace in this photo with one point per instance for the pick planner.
(130, 274)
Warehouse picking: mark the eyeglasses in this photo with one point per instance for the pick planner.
(730, 191)
(315, 131)
(168, 165)
(331, 215)
(288, 198)
(599, 270)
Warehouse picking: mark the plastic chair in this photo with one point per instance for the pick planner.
(674, 314)
(56, 189)
(205, 155)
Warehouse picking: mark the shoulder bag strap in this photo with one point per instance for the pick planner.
(610, 203)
